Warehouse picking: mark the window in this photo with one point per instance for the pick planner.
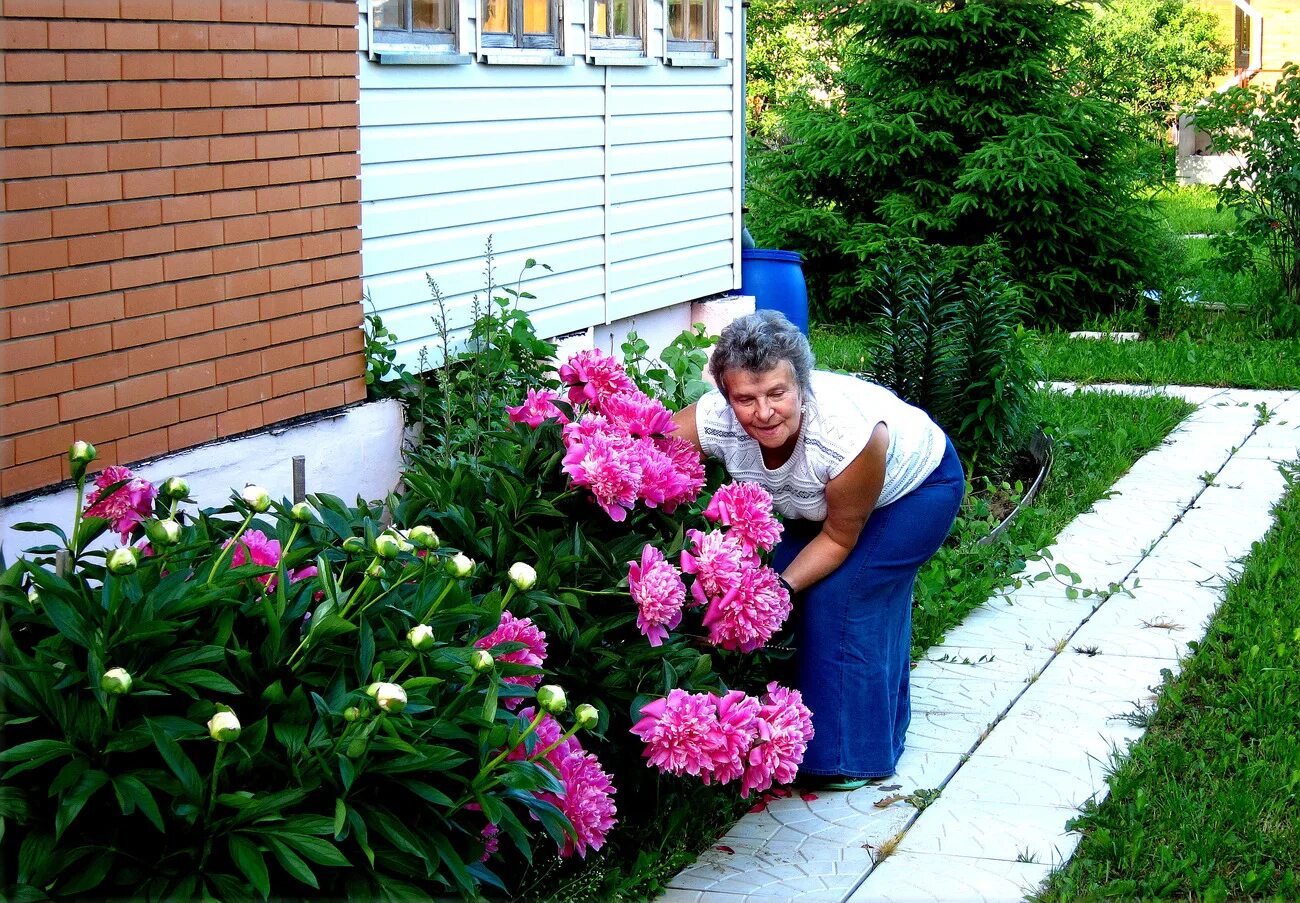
(414, 21)
(693, 26)
(617, 25)
(1242, 28)
(533, 24)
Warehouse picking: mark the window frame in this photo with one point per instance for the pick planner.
(614, 43)
(516, 38)
(412, 37)
(713, 17)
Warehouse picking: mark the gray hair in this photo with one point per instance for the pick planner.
(757, 343)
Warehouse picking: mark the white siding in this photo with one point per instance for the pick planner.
(622, 179)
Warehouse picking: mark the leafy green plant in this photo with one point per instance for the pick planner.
(1264, 190)
(677, 377)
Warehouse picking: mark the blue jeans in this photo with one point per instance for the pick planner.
(853, 628)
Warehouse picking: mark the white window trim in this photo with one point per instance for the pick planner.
(497, 47)
(680, 52)
(604, 50)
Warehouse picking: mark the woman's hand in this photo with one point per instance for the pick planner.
(850, 499)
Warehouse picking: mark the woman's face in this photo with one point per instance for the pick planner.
(768, 405)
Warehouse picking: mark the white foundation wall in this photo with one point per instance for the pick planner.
(356, 451)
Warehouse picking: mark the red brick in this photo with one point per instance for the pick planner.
(155, 415)
(281, 304)
(31, 475)
(135, 96)
(148, 9)
(130, 273)
(34, 67)
(246, 228)
(25, 353)
(148, 358)
(187, 265)
(197, 65)
(281, 91)
(141, 390)
(276, 37)
(322, 398)
(188, 321)
(72, 283)
(148, 66)
(26, 35)
(243, 420)
(85, 402)
(74, 159)
(21, 100)
(78, 98)
(33, 225)
(142, 242)
(39, 319)
(202, 404)
(73, 35)
(284, 408)
(91, 9)
(235, 203)
(291, 328)
(80, 220)
(198, 10)
(135, 215)
(199, 235)
(231, 37)
(105, 127)
(197, 179)
(244, 175)
(185, 152)
(96, 309)
(90, 67)
(287, 119)
(31, 195)
(151, 183)
(92, 189)
(243, 10)
(29, 289)
(239, 147)
(200, 291)
(177, 95)
(28, 416)
(234, 93)
(186, 208)
(191, 378)
(322, 348)
(44, 444)
(281, 144)
(182, 36)
(151, 300)
(191, 433)
(297, 379)
(151, 124)
(246, 283)
(248, 338)
(42, 381)
(236, 257)
(100, 369)
(82, 343)
(25, 131)
(280, 197)
(105, 427)
(39, 255)
(135, 155)
(94, 248)
(142, 446)
(249, 392)
(288, 65)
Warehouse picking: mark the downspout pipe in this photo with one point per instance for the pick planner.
(746, 240)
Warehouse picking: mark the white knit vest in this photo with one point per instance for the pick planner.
(839, 416)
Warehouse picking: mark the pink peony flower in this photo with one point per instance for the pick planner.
(784, 729)
(547, 733)
(606, 467)
(657, 588)
(517, 630)
(593, 376)
(689, 466)
(638, 414)
(750, 612)
(738, 727)
(662, 484)
(717, 561)
(124, 507)
(586, 802)
(579, 431)
(682, 733)
(537, 408)
(254, 548)
(747, 509)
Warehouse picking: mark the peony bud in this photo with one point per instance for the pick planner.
(116, 681)
(351, 713)
(422, 537)
(387, 546)
(523, 576)
(357, 747)
(481, 661)
(256, 497)
(123, 561)
(391, 698)
(586, 716)
(375, 571)
(224, 727)
(175, 488)
(164, 532)
(353, 545)
(402, 543)
(420, 636)
(373, 689)
(551, 698)
(301, 513)
(79, 455)
(460, 565)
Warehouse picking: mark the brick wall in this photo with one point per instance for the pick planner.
(180, 224)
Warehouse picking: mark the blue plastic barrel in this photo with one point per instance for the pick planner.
(775, 279)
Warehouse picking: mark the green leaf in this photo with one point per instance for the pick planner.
(347, 772)
(133, 788)
(33, 754)
(250, 861)
(178, 762)
(75, 800)
(292, 863)
(340, 816)
(67, 620)
(207, 680)
(319, 851)
(88, 875)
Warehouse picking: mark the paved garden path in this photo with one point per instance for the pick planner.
(1016, 714)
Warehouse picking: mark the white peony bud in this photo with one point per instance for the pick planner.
(420, 637)
(460, 565)
(551, 698)
(387, 546)
(81, 453)
(523, 576)
(481, 660)
(116, 681)
(301, 513)
(586, 716)
(175, 488)
(164, 532)
(256, 497)
(224, 727)
(422, 537)
(391, 698)
(123, 561)
(351, 713)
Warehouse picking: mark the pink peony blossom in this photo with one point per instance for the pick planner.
(608, 468)
(688, 464)
(124, 507)
(657, 588)
(638, 414)
(747, 509)
(717, 561)
(593, 376)
(547, 733)
(738, 727)
(586, 802)
(682, 733)
(537, 408)
(750, 612)
(784, 729)
(254, 548)
(517, 630)
(662, 484)
(577, 432)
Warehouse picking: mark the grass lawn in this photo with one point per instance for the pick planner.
(1190, 209)
(1180, 360)
(1205, 806)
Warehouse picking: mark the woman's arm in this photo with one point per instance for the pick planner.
(850, 499)
(686, 428)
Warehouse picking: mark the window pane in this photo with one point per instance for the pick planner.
(675, 29)
(496, 15)
(623, 19)
(600, 18)
(431, 15)
(537, 16)
(390, 14)
(698, 30)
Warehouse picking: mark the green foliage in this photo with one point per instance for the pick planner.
(677, 377)
(1264, 191)
(324, 792)
(954, 123)
(1203, 807)
(785, 54)
(1152, 56)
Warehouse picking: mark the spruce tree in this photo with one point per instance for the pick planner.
(954, 122)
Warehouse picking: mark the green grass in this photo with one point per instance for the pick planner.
(1190, 209)
(1205, 806)
(1180, 360)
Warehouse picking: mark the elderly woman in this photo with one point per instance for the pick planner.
(869, 487)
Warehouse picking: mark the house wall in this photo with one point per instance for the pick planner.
(624, 180)
(180, 220)
(1281, 33)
